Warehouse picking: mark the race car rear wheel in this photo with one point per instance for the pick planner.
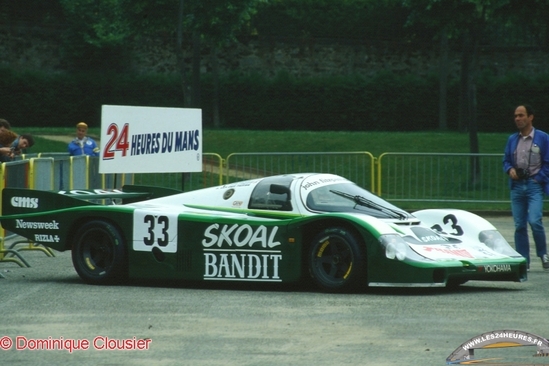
(98, 253)
(337, 261)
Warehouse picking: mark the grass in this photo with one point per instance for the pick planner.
(225, 142)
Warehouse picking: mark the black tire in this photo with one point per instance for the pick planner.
(337, 261)
(99, 253)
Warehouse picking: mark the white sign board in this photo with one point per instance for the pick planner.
(150, 139)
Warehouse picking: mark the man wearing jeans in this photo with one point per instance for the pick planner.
(526, 161)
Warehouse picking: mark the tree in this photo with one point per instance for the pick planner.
(467, 21)
(217, 24)
(211, 22)
(99, 31)
(97, 34)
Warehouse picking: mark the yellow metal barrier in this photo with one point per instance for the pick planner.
(442, 177)
(40, 176)
(8, 254)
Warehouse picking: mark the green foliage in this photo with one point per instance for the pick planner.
(96, 35)
(98, 32)
(39, 99)
(227, 141)
(100, 23)
(36, 12)
(350, 19)
(384, 102)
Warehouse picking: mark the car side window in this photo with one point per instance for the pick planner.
(265, 197)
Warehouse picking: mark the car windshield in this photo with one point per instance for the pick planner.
(348, 197)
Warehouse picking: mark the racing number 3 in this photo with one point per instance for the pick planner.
(450, 219)
(117, 142)
(151, 221)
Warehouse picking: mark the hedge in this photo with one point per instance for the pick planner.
(386, 102)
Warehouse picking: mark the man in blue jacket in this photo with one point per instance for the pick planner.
(83, 144)
(526, 161)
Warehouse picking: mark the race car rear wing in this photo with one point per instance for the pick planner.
(17, 201)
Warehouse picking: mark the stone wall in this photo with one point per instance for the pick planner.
(302, 58)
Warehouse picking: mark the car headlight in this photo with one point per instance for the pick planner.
(495, 241)
(395, 246)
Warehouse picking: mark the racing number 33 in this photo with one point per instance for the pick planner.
(151, 221)
(154, 229)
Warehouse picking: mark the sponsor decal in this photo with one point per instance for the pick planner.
(22, 224)
(445, 250)
(91, 192)
(24, 202)
(237, 260)
(247, 183)
(456, 251)
(240, 236)
(428, 236)
(497, 339)
(432, 238)
(242, 266)
(495, 268)
(321, 182)
(46, 238)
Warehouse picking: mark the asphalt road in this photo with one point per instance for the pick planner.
(181, 324)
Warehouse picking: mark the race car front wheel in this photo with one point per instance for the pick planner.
(337, 261)
(98, 253)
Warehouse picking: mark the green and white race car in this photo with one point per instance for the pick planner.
(286, 228)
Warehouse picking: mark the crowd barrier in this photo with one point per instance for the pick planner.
(456, 177)
(404, 177)
(49, 172)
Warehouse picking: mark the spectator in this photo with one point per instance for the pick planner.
(526, 161)
(83, 144)
(7, 138)
(4, 125)
(11, 144)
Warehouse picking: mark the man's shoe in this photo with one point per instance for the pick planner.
(545, 262)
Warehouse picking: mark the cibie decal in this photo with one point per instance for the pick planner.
(497, 339)
(154, 229)
(24, 202)
(240, 236)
